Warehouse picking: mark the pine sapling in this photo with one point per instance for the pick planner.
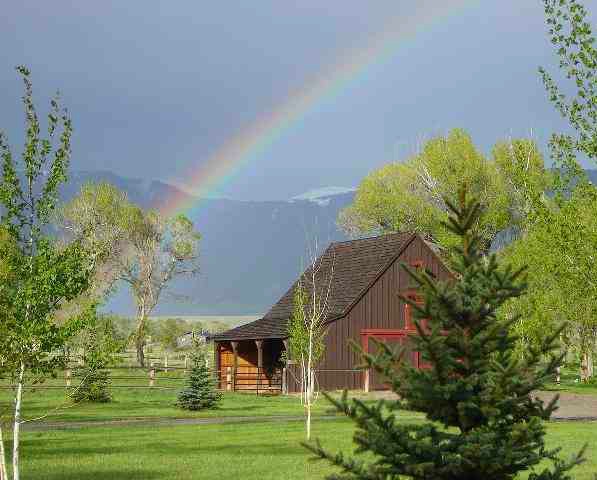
(200, 392)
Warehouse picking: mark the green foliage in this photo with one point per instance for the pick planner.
(572, 38)
(200, 392)
(94, 386)
(559, 251)
(42, 276)
(298, 330)
(99, 348)
(167, 331)
(141, 248)
(483, 422)
(408, 196)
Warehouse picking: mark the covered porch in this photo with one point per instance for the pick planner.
(251, 365)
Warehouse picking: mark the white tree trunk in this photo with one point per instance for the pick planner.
(17, 425)
(308, 422)
(3, 470)
(589, 364)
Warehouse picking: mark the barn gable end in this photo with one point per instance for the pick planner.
(364, 304)
(378, 308)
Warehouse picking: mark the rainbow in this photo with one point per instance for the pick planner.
(224, 164)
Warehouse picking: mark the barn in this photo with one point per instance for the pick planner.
(365, 279)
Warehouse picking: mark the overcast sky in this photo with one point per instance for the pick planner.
(154, 88)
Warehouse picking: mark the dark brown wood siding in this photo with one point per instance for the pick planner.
(379, 308)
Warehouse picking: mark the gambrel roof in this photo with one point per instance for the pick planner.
(355, 266)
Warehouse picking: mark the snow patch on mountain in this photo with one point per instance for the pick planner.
(322, 196)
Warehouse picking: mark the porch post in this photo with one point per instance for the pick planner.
(234, 364)
(286, 343)
(259, 344)
(217, 364)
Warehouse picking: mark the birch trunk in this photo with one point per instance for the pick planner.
(584, 367)
(17, 425)
(3, 470)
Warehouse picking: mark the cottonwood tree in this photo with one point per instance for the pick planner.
(560, 251)
(101, 217)
(408, 195)
(43, 274)
(307, 326)
(160, 251)
(142, 249)
(481, 420)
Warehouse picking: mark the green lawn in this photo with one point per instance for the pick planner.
(247, 451)
(153, 403)
(236, 450)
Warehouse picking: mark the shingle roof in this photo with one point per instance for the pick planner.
(356, 265)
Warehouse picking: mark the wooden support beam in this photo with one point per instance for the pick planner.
(234, 364)
(259, 344)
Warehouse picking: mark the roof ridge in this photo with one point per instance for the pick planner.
(372, 237)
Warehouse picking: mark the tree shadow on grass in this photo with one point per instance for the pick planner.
(99, 474)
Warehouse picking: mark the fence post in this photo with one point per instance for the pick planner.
(152, 377)
(367, 380)
(284, 382)
(186, 363)
(558, 370)
(68, 375)
(166, 362)
(228, 378)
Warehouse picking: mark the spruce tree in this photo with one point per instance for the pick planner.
(482, 421)
(200, 392)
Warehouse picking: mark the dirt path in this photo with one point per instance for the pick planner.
(571, 407)
(165, 422)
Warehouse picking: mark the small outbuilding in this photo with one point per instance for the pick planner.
(366, 280)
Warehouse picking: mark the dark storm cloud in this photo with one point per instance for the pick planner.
(155, 87)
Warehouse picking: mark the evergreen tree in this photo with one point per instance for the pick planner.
(200, 392)
(482, 420)
(99, 353)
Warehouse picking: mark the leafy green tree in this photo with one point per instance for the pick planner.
(200, 392)
(161, 249)
(408, 196)
(101, 217)
(572, 38)
(482, 420)
(559, 251)
(45, 275)
(141, 248)
(307, 325)
(169, 330)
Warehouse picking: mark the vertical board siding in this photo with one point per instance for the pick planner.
(380, 307)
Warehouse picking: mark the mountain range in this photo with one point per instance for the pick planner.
(251, 251)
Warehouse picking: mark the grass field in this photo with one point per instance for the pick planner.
(247, 451)
(147, 403)
(256, 450)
